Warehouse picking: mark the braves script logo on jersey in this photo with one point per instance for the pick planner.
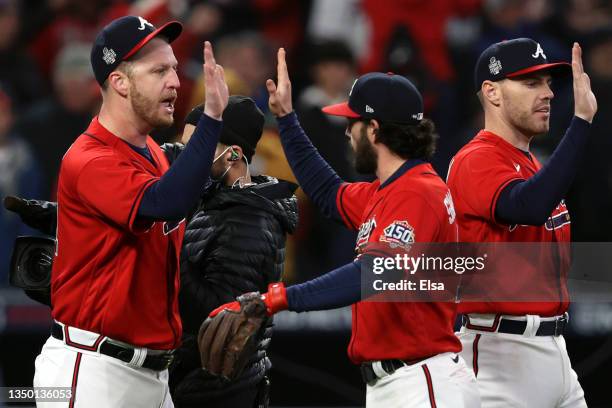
(364, 233)
(559, 218)
(398, 234)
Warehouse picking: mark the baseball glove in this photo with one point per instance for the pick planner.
(227, 340)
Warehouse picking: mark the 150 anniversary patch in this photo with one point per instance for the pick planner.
(398, 234)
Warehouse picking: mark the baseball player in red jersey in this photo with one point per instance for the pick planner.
(503, 194)
(407, 351)
(115, 280)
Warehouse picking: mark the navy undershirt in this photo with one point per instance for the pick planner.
(531, 201)
(338, 288)
(177, 191)
(144, 151)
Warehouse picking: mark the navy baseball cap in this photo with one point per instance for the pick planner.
(513, 58)
(386, 97)
(122, 38)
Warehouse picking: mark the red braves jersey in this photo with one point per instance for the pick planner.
(415, 198)
(114, 274)
(477, 175)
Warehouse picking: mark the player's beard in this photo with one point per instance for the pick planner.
(365, 155)
(148, 109)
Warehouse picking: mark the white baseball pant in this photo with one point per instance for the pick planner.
(521, 371)
(442, 381)
(98, 380)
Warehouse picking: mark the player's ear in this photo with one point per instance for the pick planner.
(491, 93)
(235, 153)
(120, 82)
(372, 130)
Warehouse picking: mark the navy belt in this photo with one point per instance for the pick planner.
(389, 366)
(546, 328)
(157, 362)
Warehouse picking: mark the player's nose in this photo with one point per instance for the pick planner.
(173, 80)
(548, 92)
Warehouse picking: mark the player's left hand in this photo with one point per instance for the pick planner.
(280, 93)
(217, 92)
(585, 103)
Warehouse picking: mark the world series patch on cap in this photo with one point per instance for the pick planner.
(513, 58)
(386, 97)
(122, 38)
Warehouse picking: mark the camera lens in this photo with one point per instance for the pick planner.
(37, 267)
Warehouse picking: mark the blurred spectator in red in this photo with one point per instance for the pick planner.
(19, 175)
(52, 124)
(425, 22)
(76, 21)
(17, 71)
(281, 22)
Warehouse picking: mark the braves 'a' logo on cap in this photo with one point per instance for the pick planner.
(495, 66)
(539, 52)
(144, 22)
(109, 55)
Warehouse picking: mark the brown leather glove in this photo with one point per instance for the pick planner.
(227, 340)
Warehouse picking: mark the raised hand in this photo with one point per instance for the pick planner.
(217, 93)
(585, 103)
(280, 93)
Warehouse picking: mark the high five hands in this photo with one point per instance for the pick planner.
(280, 93)
(217, 93)
(585, 103)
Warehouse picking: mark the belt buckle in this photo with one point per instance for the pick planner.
(560, 325)
(168, 359)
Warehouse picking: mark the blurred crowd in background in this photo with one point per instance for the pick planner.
(48, 93)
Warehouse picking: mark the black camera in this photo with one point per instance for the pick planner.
(31, 265)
